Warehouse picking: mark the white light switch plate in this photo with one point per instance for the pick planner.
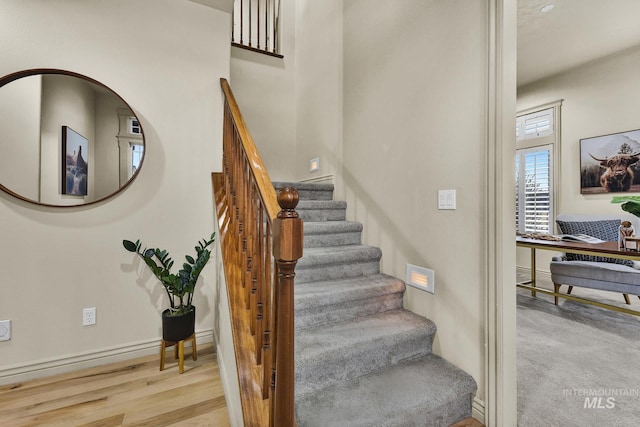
(446, 199)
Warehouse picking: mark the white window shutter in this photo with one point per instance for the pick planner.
(534, 201)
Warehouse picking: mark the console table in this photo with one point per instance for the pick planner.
(609, 249)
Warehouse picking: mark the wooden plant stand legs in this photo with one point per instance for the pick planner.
(179, 351)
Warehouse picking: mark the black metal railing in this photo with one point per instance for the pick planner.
(256, 26)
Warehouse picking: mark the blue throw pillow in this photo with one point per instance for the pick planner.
(602, 229)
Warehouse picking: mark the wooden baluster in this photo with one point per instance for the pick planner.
(274, 345)
(267, 310)
(246, 258)
(250, 21)
(287, 249)
(251, 243)
(259, 263)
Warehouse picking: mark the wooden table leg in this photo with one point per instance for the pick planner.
(178, 351)
(533, 270)
(162, 349)
(194, 350)
(181, 355)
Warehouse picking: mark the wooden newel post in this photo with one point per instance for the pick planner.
(287, 249)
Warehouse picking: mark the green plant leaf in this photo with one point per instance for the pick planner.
(621, 199)
(178, 285)
(129, 245)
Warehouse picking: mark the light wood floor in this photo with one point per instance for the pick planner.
(130, 393)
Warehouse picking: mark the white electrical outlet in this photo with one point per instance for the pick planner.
(5, 330)
(88, 316)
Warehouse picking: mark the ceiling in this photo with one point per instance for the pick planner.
(573, 33)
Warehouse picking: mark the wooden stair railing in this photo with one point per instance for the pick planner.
(261, 237)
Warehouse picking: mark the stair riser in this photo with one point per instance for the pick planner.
(315, 195)
(307, 190)
(336, 271)
(347, 310)
(322, 214)
(444, 416)
(371, 357)
(337, 239)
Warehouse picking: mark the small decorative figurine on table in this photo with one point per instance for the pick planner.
(625, 230)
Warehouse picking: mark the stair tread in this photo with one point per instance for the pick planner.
(328, 292)
(321, 204)
(327, 227)
(389, 397)
(317, 186)
(382, 328)
(338, 255)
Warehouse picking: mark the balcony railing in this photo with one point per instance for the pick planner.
(256, 26)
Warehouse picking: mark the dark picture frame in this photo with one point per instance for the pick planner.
(610, 163)
(75, 152)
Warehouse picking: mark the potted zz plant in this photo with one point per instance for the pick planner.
(178, 321)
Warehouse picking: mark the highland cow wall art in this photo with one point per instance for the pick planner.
(610, 163)
(75, 151)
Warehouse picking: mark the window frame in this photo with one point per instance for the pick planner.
(549, 137)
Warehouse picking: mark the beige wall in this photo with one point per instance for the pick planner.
(20, 124)
(599, 99)
(293, 105)
(264, 87)
(165, 58)
(319, 75)
(415, 123)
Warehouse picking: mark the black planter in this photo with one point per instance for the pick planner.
(177, 328)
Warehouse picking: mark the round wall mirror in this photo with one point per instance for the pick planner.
(67, 140)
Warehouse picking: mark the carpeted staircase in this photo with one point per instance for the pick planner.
(361, 359)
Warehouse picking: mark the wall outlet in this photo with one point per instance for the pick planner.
(88, 316)
(5, 330)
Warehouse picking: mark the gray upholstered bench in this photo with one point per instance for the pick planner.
(595, 272)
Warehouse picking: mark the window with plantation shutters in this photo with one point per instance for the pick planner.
(535, 125)
(534, 201)
(536, 143)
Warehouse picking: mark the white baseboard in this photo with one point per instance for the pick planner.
(324, 179)
(73, 362)
(477, 409)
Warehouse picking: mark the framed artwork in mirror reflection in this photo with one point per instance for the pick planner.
(75, 152)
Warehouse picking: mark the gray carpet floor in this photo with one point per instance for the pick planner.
(578, 365)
